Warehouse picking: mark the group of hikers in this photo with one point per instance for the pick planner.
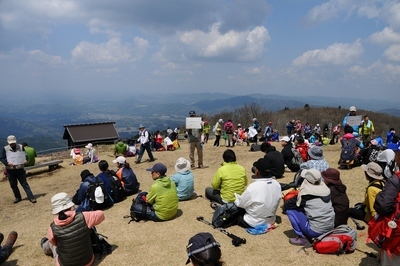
(315, 202)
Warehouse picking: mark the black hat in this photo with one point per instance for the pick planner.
(200, 242)
(263, 166)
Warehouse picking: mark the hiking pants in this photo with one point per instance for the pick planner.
(146, 147)
(196, 145)
(15, 176)
(300, 224)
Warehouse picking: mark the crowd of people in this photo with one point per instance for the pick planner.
(315, 203)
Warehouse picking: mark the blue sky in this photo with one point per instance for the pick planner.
(108, 49)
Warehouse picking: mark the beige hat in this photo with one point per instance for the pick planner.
(61, 202)
(120, 160)
(352, 109)
(11, 139)
(89, 146)
(373, 170)
(182, 165)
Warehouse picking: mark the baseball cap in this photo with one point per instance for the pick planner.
(11, 139)
(285, 138)
(192, 113)
(120, 160)
(159, 168)
(199, 243)
(352, 109)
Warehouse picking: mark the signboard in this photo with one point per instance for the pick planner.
(354, 120)
(16, 158)
(193, 122)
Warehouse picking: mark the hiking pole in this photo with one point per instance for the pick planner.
(369, 254)
(358, 225)
(236, 241)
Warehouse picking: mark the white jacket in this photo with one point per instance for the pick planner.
(260, 200)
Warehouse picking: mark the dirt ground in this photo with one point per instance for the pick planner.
(150, 243)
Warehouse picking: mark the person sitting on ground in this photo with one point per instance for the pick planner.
(369, 153)
(76, 156)
(389, 135)
(184, 180)
(126, 175)
(365, 211)
(339, 199)
(275, 157)
(6, 249)
(312, 215)
(203, 250)
(82, 198)
(162, 196)
(316, 160)
(302, 147)
(30, 153)
(158, 141)
(269, 129)
(393, 145)
(131, 149)
(349, 140)
(259, 202)
(288, 154)
(105, 175)
(275, 136)
(120, 148)
(229, 179)
(68, 237)
(90, 156)
(385, 206)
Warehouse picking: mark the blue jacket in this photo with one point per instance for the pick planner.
(184, 184)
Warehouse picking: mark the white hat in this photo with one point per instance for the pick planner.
(182, 165)
(352, 109)
(254, 119)
(220, 120)
(11, 139)
(89, 146)
(120, 160)
(285, 138)
(61, 202)
(239, 125)
(98, 195)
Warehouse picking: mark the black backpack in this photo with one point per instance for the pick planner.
(96, 192)
(140, 209)
(100, 246)
(348, 153)
(117, 190)
(225, 215)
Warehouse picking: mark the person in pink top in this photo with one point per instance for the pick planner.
(68, 237)
(229, 129)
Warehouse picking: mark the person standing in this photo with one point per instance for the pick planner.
(366, 130)
(144, 140)
(194, 135)
(16, 171)
(269, 129)
(229, 129)
(218, 132)
(206, 131)
(352, 112)
(31, 153)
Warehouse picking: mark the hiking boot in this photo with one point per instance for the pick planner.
(33, 200)
(299, 241)
(152, 160)
(17, 200)
(12, 237)
(1, 238)
(193, 167)
(137, 162)
(42, 241)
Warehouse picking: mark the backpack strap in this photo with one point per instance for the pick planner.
(378, 184)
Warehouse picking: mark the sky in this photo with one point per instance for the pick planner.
(99, 49)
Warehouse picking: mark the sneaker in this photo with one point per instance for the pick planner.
(201, 166)
(152, 160)
(214, 205)
(17, 200)
(42, 241)
(33, 200)
(193, 167)
(1, 238)
(299, 241)
(12, 237)
(137, 162)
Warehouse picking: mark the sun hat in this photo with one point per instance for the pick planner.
(312, 185)
(11, 139)
(159, 168)
(220, 120)
(120, 160)
(199, 243)
(89, 146)
(316, 153)
(285, 138)
(352, 109)
(141, 126)
(182, 165)
(312, 175)
(332, 176)
(60, 202)
(373, 170)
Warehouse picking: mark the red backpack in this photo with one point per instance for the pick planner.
(384, 231)
(342, 239)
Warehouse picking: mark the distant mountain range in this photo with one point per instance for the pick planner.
(41, 124)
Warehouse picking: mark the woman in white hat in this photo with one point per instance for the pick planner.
(68, 237)
(184, 179)
(90, 157)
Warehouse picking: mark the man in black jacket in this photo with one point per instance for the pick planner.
(276, 159)
(288, 154)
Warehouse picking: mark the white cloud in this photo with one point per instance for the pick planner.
(254, 70)
(335, 54)
(41, 57)
(393, 53)
(330, 10)
(384, 37)
(244, 46)
(111, 52)
(390, 73)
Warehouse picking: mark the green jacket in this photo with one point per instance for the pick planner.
(230, 178)
(120, 148)
(164, 198)
(31, 154)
